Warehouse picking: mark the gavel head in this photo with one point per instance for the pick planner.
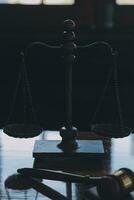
(117, 185)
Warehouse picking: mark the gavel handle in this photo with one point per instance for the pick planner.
(59, 176)
(46, 190)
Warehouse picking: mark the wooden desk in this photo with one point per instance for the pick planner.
(17, 153)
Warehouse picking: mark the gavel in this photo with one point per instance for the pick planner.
(109, 187)
(112, 187)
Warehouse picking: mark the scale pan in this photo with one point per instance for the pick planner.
(22, 130)
(110, 130)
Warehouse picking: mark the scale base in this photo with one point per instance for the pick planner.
(47, 154)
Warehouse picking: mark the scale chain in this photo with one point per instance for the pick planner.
(113, 71)
(103, 95)
(28, 89)
(14, 96)
(116, 85)
(26, 86)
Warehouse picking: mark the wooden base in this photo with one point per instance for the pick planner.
(48, 155)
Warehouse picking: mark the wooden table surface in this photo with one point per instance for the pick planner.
(17, 153)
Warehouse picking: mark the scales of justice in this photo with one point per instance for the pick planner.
(70, 150)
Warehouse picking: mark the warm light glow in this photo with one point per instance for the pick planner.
(125, 2)
(26, 2)
(37, 2)
(58, 2)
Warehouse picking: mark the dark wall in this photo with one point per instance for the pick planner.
(95, 21)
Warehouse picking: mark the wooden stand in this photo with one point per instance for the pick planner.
(47, 154)
(68, 152)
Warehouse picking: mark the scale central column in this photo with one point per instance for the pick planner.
(68, 133)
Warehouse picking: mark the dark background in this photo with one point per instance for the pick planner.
(95, 21)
